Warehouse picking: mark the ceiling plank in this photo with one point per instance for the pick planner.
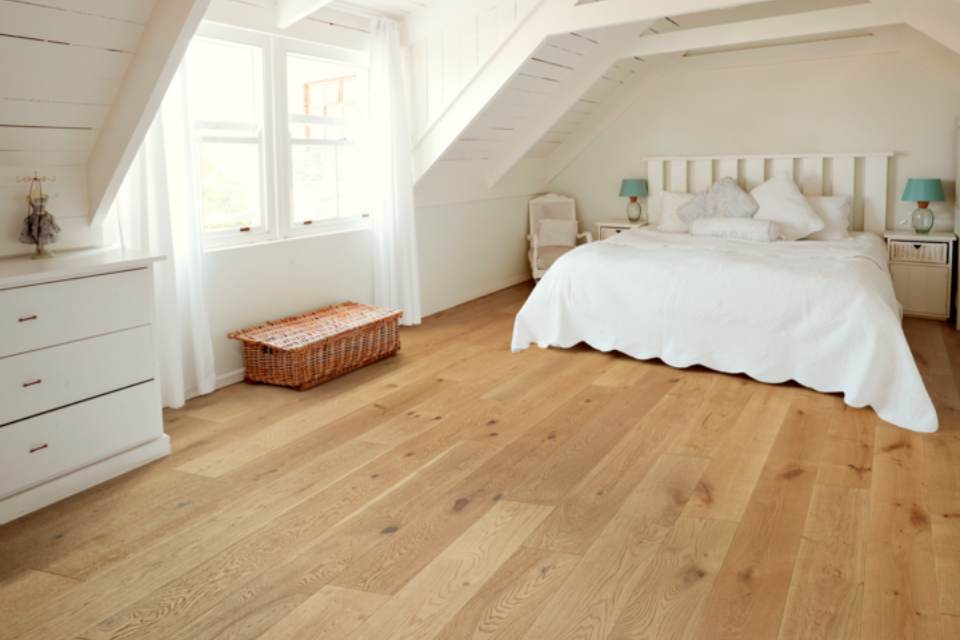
(591, 67)
(161, 49)
(811, 23)
(290, 12)
(612, 13)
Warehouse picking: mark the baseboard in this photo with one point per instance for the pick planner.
(500, 285)
(55, 490)
(229, 378)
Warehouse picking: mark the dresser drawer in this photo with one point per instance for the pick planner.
(56, 443)
(46, 379)
(43, 315)
(928, 252)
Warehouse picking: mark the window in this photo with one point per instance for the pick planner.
(276, 128)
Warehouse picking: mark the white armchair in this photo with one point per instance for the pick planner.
(553, 231)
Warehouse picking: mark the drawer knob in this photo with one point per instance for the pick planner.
(39, 447)
(917, 247)
(32, 383)
(27, 318)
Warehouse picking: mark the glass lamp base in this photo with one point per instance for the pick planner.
(634, 212)
(923, 220)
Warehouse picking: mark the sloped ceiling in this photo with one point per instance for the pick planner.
(560, 70)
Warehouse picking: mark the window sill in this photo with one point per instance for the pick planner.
(298, 237)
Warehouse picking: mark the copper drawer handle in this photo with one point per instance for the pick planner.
(32, 383)
(27, 318)
(39, 448)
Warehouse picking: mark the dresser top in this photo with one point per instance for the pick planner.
(20, 271)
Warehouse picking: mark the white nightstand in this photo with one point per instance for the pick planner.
(608, 228)
(922, 270)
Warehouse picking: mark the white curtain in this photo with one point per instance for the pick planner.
(156, 212)
(396, 260)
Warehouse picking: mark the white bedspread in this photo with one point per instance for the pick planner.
(821, 313)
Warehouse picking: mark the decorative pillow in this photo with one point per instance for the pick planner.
(725, 199)
(557, 233)
(835, 211)
(782, 202)
(736, 229)
(670, 222)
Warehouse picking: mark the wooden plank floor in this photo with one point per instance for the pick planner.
(461, 491)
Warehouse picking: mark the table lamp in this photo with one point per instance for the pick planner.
(634, 188)
(923, 192)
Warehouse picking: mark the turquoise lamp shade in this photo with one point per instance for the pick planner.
(923, 190)
(633, 188)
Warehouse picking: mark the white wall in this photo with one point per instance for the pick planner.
(906, 102)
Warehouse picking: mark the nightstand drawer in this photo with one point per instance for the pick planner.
(609, 232)
(927, 252)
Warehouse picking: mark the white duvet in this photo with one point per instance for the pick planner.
(822, 313)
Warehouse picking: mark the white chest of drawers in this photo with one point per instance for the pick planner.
(79, 403)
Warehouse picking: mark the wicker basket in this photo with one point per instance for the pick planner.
(306, 350)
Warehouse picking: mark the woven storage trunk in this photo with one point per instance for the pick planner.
(306, 350)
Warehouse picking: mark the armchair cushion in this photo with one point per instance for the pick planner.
(557, 233)
(546, 256)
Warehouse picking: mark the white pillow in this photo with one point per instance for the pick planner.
(736, 229)
(670, 222)
(835, 211)
(557, 233)
(782, 202)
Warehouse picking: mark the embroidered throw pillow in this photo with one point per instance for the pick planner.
(725, 199)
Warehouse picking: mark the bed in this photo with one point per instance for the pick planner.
(821, 313)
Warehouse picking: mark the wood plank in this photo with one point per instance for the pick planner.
(826, 592)
(748, 596)
(25, 590)
(332, 613)
(900, 593)
(509, 602)
(592, 598)
(676, 582)
(430, 600)
(46, 23)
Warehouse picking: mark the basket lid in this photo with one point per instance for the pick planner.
(298, 332)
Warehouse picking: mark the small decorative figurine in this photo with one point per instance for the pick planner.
(39, 227)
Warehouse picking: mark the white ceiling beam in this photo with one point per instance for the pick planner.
(612, 13)
(290, 12)
(161, 49)
(811, 23)
(590, 69)
(937, 19)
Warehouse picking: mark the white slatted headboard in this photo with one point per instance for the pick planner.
(864, 177)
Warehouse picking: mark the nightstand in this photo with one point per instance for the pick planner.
(922, 270)
(609, 228)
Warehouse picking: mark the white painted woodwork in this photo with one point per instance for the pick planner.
(162, 47)
(550, 206)
(32, 382)
(54, 444)
(806, 24)
(869, 200)
(289, 12)
(609, 228)
(78, 399)
(922, 269)
(937, 19)
(73, 309)
(576, 77)
(328, 25)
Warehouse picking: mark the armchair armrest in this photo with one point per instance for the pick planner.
(585, 236)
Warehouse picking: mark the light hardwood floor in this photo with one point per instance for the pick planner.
(461, 491)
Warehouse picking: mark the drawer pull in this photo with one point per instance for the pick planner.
(39, 447)
(32, 383)
(917, 246)
(27, 318)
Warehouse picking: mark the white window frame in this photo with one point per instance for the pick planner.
(276, 146)
(285, 46)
